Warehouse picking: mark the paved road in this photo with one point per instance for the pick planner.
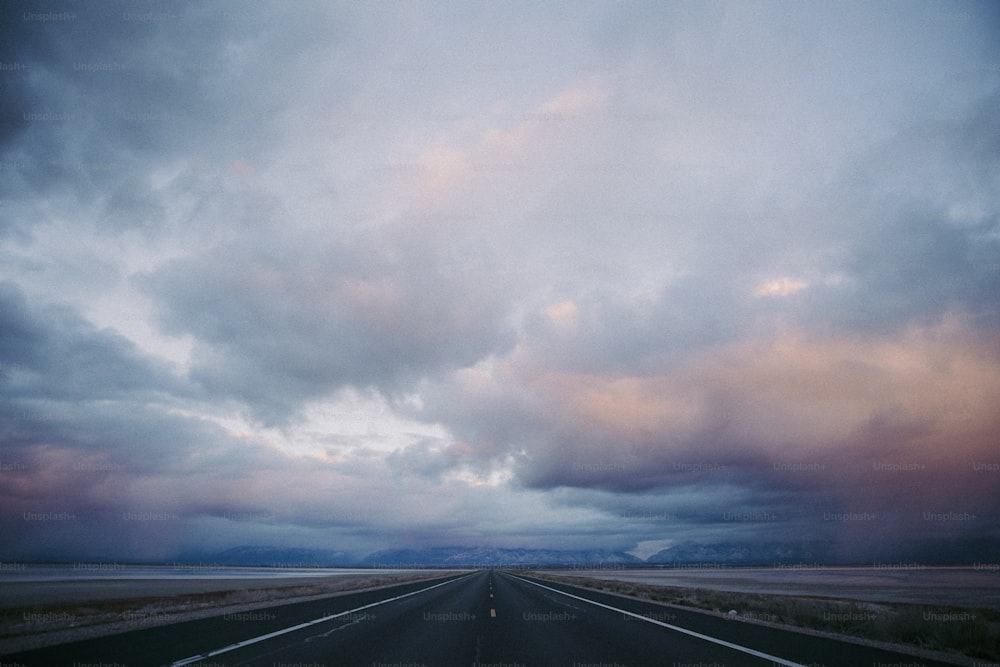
(484, 619)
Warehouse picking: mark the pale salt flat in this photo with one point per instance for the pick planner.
(940, 586)
(65, 584)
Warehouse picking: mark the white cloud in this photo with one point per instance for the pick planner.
(647, 548)
(783, 286)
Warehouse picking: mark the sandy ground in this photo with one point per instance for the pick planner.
(36, 614)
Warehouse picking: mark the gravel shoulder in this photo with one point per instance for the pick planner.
(969, 637)
(38, 614)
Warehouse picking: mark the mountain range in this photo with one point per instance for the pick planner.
(687, 553)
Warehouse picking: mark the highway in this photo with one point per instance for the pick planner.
(486, 618)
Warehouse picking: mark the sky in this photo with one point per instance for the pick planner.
(567, 275)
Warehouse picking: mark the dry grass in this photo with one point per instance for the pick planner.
(33, 626)
(972, 632)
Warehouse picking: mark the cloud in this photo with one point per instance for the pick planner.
(284, 324)
(836, 419)
(533, 277)
(53, 354)
(780, 287)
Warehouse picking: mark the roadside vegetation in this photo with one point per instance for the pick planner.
(33, 626)
(968, 631)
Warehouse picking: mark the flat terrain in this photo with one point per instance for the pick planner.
(42, 613)
(855, 603)
(34, 593)
(946, 586)
(482, 618)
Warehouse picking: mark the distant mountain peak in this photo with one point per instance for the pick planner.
(496, 557)
(740, 553)
(271, 556)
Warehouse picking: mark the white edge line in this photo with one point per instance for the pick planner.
(254, 640)
(744, 649)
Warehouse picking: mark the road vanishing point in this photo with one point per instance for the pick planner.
(486, 618)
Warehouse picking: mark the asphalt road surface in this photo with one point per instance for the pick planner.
(483, 619)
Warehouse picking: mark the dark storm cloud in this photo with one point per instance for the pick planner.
(123, 88)
(280, 323)
(56, 355)
(924, 228)
(87, 424)
(524, 274)
(705, 446)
